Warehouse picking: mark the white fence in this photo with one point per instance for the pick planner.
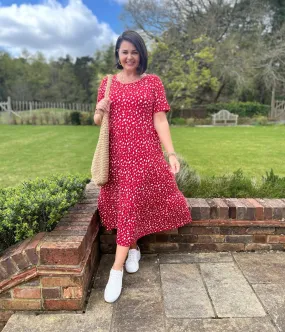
(18, 106)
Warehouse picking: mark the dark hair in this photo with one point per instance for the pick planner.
(134, 38)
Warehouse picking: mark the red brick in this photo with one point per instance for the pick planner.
(21, 261)
(9, 266)
(267, 208)
(64, 253)
(5, 295)
(76, 218)
(230, 246)
(169, 231)
(260, 230)
(33, 282)
(257, 246)
(183, 238)
(250, 213)
(19, 278)
(238, 238)
(51, 293)
(203, 246)
(63, 281)
(5, 315)
(233, 230)
(259, 210)
(211, 238)
(68, 232)
(3, 274)
(199, 230)
(222, 209)
(70, 227)
(280, 230)
(27, 293)
(19, 304)
(276, 239)
(72, 292)
(31, 248)
(199, 207)
(70, 304)
(162, 237)
(82, 206)
(259, 238)
(237, 209)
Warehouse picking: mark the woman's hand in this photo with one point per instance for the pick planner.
(174, 164)
(104, 104)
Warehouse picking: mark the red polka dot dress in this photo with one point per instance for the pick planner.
(141, 196)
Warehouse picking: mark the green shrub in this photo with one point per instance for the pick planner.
(228, 185)
(66, 118)
(75, 117)
(36, 206)
(190, 122)
(260, 120)
(178, 121)
(86, 118)
(243, 109)
(187, 178)
(272, 185)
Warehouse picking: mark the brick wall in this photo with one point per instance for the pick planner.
(53, 271)
(227, 224)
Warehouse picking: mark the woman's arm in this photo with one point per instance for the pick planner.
(162, 127)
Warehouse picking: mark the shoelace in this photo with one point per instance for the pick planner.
(132, 255)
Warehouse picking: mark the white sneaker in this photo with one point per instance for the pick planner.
(114, 286)
(132, 262)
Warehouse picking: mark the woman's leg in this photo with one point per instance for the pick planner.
(121, 254)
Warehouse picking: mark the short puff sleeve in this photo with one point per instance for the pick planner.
(160, 101)
(102, 89)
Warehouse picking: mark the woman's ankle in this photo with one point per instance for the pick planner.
(118, 268)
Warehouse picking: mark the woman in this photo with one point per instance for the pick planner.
(141, 196)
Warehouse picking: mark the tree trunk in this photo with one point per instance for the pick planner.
(272, 115)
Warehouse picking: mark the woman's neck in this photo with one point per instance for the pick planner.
(129, 74)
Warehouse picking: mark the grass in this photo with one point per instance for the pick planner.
(28, 151)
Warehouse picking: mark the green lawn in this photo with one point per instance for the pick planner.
(31, 151)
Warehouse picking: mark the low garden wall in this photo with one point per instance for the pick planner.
(53, 270)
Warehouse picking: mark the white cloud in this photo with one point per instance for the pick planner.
(52, 28)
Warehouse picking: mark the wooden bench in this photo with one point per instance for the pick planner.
(224, 117)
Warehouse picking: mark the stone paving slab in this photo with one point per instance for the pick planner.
(231, 294)
(53, 323)
(262, 267)
(199, 257)
(183, 291)
(179, 292)
(273, 298)
(139, 310)
(220, 325)
(147, 276)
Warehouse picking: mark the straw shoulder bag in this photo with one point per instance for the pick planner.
(100, 162)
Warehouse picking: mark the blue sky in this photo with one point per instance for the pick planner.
(59, 27)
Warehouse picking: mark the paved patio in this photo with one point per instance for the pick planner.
(199, 292)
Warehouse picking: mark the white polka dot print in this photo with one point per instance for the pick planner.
(141, 196)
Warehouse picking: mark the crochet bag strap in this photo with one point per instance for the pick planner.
(108, 85)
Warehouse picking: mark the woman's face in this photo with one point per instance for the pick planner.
(128, 56)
